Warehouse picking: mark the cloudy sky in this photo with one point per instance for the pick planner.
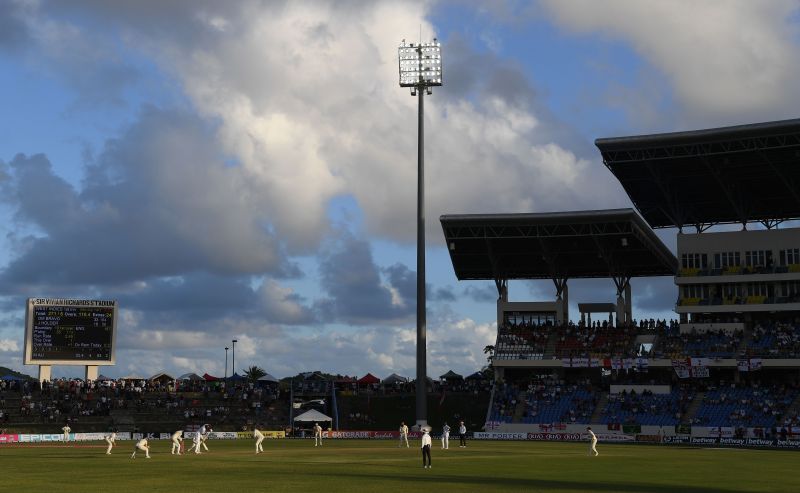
(247, 169)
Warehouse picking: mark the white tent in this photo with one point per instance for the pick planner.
(312, 416)
(190, 376)
(161, 376)
(268, 378)
(393, 379)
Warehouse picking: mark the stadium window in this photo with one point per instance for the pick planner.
(790, 256)
(755, 258)
(732, 290)
(727, 259)
(790, 288)
(695, 291)
(694, 260)
(757, 289)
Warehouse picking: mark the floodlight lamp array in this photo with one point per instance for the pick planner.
(421, 64)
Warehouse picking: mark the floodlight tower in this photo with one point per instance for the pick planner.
(233, 359)
(226, 366)
(421, 69)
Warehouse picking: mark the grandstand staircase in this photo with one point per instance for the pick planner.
(519, 411)
(687, 418)
(747, 336)
(550, 348)
(794, 407)
(598, 410)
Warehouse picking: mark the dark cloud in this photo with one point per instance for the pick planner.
(444, 294)
(353, 284)
(159, 201)
(192, 297)
(14, 33)
(404, 280)
(654, 295)
(472, 74)
(483, 293)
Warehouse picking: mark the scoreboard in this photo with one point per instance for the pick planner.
(70, 332)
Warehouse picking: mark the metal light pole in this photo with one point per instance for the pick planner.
(233, 358)
(421, 69)
(226, 366)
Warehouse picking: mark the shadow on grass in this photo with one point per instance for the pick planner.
(538, 484)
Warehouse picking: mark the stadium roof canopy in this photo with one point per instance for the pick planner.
(735, 174)
(555, 245)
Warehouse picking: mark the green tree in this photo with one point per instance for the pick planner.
(254, 372)
(489, 352)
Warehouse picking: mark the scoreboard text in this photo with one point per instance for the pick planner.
(71, 331)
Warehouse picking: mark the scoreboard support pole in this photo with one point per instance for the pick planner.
(44, 373)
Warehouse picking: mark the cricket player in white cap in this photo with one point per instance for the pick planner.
(592, 442)
(317, 435)
(141, 445)
(177, 442)
(66, 429)
(259, 438)
(111, 440)
(403, 434)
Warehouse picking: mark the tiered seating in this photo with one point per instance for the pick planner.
(550, 402)
(505, 402)
(673, 344)
(520, 342)
(712, 344)
(646, 408)
(731, 406)
(775, 340)
(605, 341)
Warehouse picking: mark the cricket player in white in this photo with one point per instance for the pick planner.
(141, 445)
(445, 437)
(199, 438)
(196, 440)
(403, 434)
(177, 441)
(111, 440)
(592, 441)
(259, 438)
(204, 431)
(66, 429)
(317, 435)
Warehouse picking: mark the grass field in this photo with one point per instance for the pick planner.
(365, 466)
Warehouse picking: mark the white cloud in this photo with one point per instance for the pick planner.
(8, 345)
(724, 60)
(307, 99)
